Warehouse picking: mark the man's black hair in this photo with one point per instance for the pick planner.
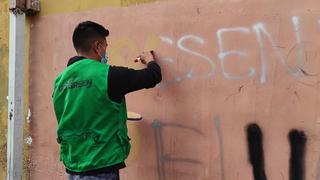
(85, 33)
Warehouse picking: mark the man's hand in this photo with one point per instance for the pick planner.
(145, 57)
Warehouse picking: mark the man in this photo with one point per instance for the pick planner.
(89, 103)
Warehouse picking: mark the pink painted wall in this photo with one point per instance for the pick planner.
(225, 64)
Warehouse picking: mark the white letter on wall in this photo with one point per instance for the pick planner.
(223, 54)
(198, 40)
(260, 28)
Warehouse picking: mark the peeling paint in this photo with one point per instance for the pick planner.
(29, 116)
(28, 140)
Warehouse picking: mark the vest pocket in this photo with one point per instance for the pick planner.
(78, 146)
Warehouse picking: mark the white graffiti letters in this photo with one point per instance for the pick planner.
(264, 40)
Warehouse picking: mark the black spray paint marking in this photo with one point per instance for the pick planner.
(163, 157)
(297, 144)
(220, 141)
(256, 157)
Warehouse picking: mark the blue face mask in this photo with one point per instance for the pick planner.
(104, 58)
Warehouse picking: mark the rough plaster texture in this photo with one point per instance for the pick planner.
(225, 64)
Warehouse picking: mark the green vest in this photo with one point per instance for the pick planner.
(92, 129)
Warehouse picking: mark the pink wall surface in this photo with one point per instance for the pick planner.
(226, 64)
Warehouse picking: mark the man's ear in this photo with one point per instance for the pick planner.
(95, 46)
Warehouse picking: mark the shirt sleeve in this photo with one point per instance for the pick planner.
(122, 80)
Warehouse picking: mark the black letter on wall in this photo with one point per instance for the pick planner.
(254, 137)
(297, 144)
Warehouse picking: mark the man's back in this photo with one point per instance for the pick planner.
(92, 129)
